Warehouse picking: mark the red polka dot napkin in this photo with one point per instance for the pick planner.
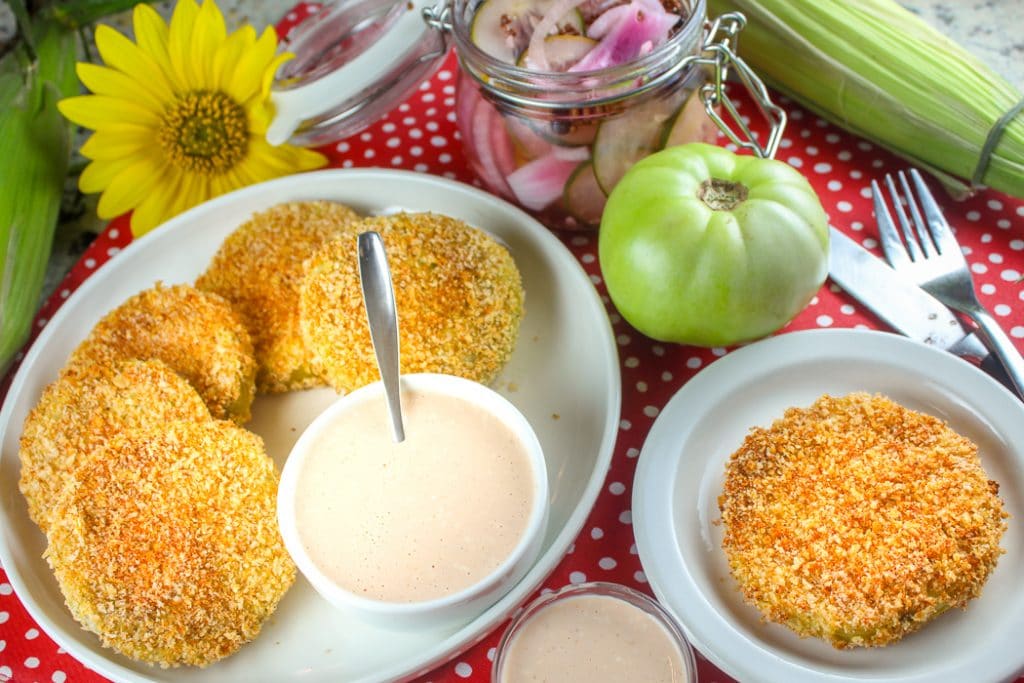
(420, 135)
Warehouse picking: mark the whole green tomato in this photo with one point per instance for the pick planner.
(702, 246)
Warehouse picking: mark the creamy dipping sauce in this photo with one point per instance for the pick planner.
(590, 639)
(417, 520)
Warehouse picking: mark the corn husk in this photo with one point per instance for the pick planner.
(879, 71)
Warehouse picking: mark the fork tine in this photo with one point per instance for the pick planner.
(938, 227)
(892, 245)
(924, 238)
(908, 235)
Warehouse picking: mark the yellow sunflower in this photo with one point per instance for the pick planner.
(180, 115)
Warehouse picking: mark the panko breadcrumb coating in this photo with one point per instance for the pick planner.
(168, 546)
(458, 293)
(88, 404)
(857, 520)
(196, 333)
(259, 269)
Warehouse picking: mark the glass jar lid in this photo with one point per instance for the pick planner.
(354, 60)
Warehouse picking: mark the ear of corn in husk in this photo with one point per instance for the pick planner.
(35, 152)
(881, 72)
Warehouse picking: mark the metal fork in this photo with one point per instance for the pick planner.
(928, 252)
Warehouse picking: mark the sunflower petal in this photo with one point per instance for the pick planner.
(151, 34)
(271, 73)
(100, 111)
(97, 175)
(102, 80)
(128, 188)
(225, 59)
(248, 75)
(158, 206)
(122, 54)
(179, 42)
(117, 142)
(207, 34)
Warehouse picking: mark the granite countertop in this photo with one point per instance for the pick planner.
(987, 28)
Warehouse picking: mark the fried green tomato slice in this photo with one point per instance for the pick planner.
(197, 334)
(83, 408)
(458, 293)
(167, 546)
(858, 520)
(259, 268)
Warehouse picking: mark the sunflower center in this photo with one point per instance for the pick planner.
(205, 132)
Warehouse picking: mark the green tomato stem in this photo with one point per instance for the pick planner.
(722, 195)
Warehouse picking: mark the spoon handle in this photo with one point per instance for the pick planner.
(379, 297)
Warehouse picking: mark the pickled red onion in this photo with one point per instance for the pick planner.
(626, 32)
(536, 56)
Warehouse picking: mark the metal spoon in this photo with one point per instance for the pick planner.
(379, 298)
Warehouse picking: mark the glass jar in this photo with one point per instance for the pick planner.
(555, 143)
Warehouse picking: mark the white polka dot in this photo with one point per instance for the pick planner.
(445, 158)
(632, 452)
(822, 167)
(641, 387)
(847, 309)
(41, 322)
(463, 670)
(1003, 224)
(640, 577)
(59, 677)
(415, 133)
(718, 351)
(369, 154)
(6, 589)
(796, 115)
(596, 279)
(986, 238)
(856, 175)
(979, 268)
(577, 577)
(588, 258)
(492, 653)
(813, 151)
(438, 141)
(1017, 332)
(877, 163)
(1010, 275)
(865, 192)
(693, 362)
(631, 362)
(90, 263)
(365, 137)
(1017, 245)
(114, 233)
(626, 517)
(795, 162)
(973, 215)
(864, 146)
(666, 376)
(347, 163)
(397, 160)
(1002, 310)
(832, 138)
(5, 673)
(834, 185)
(785, 143)
(844, 155)
(617, 488)
(3, 645)
(393, 142)
(597, 533)
(625, 425)
(988, 288)
(607, 563)
(31, 634)
(658, 350)
(651, 411)
(995, 258)
(844, 206)
(65, 293)
(824, 321)
(32, 663)
(870, 243)
(113, 251)
(995, 205)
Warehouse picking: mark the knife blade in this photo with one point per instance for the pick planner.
(902, 305)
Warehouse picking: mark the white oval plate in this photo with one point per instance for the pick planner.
(564, 376)
(682, 467)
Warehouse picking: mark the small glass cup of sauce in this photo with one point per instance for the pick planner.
(593, 633)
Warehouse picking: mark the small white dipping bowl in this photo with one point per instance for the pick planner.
(464, 604)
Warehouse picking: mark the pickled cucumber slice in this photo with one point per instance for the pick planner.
(583, 197)
(502, 28)
(691, 124)
(629, 137)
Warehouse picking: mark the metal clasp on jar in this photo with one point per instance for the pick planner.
(719, 54)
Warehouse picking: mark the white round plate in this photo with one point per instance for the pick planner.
(564, 376)
(681, 469)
